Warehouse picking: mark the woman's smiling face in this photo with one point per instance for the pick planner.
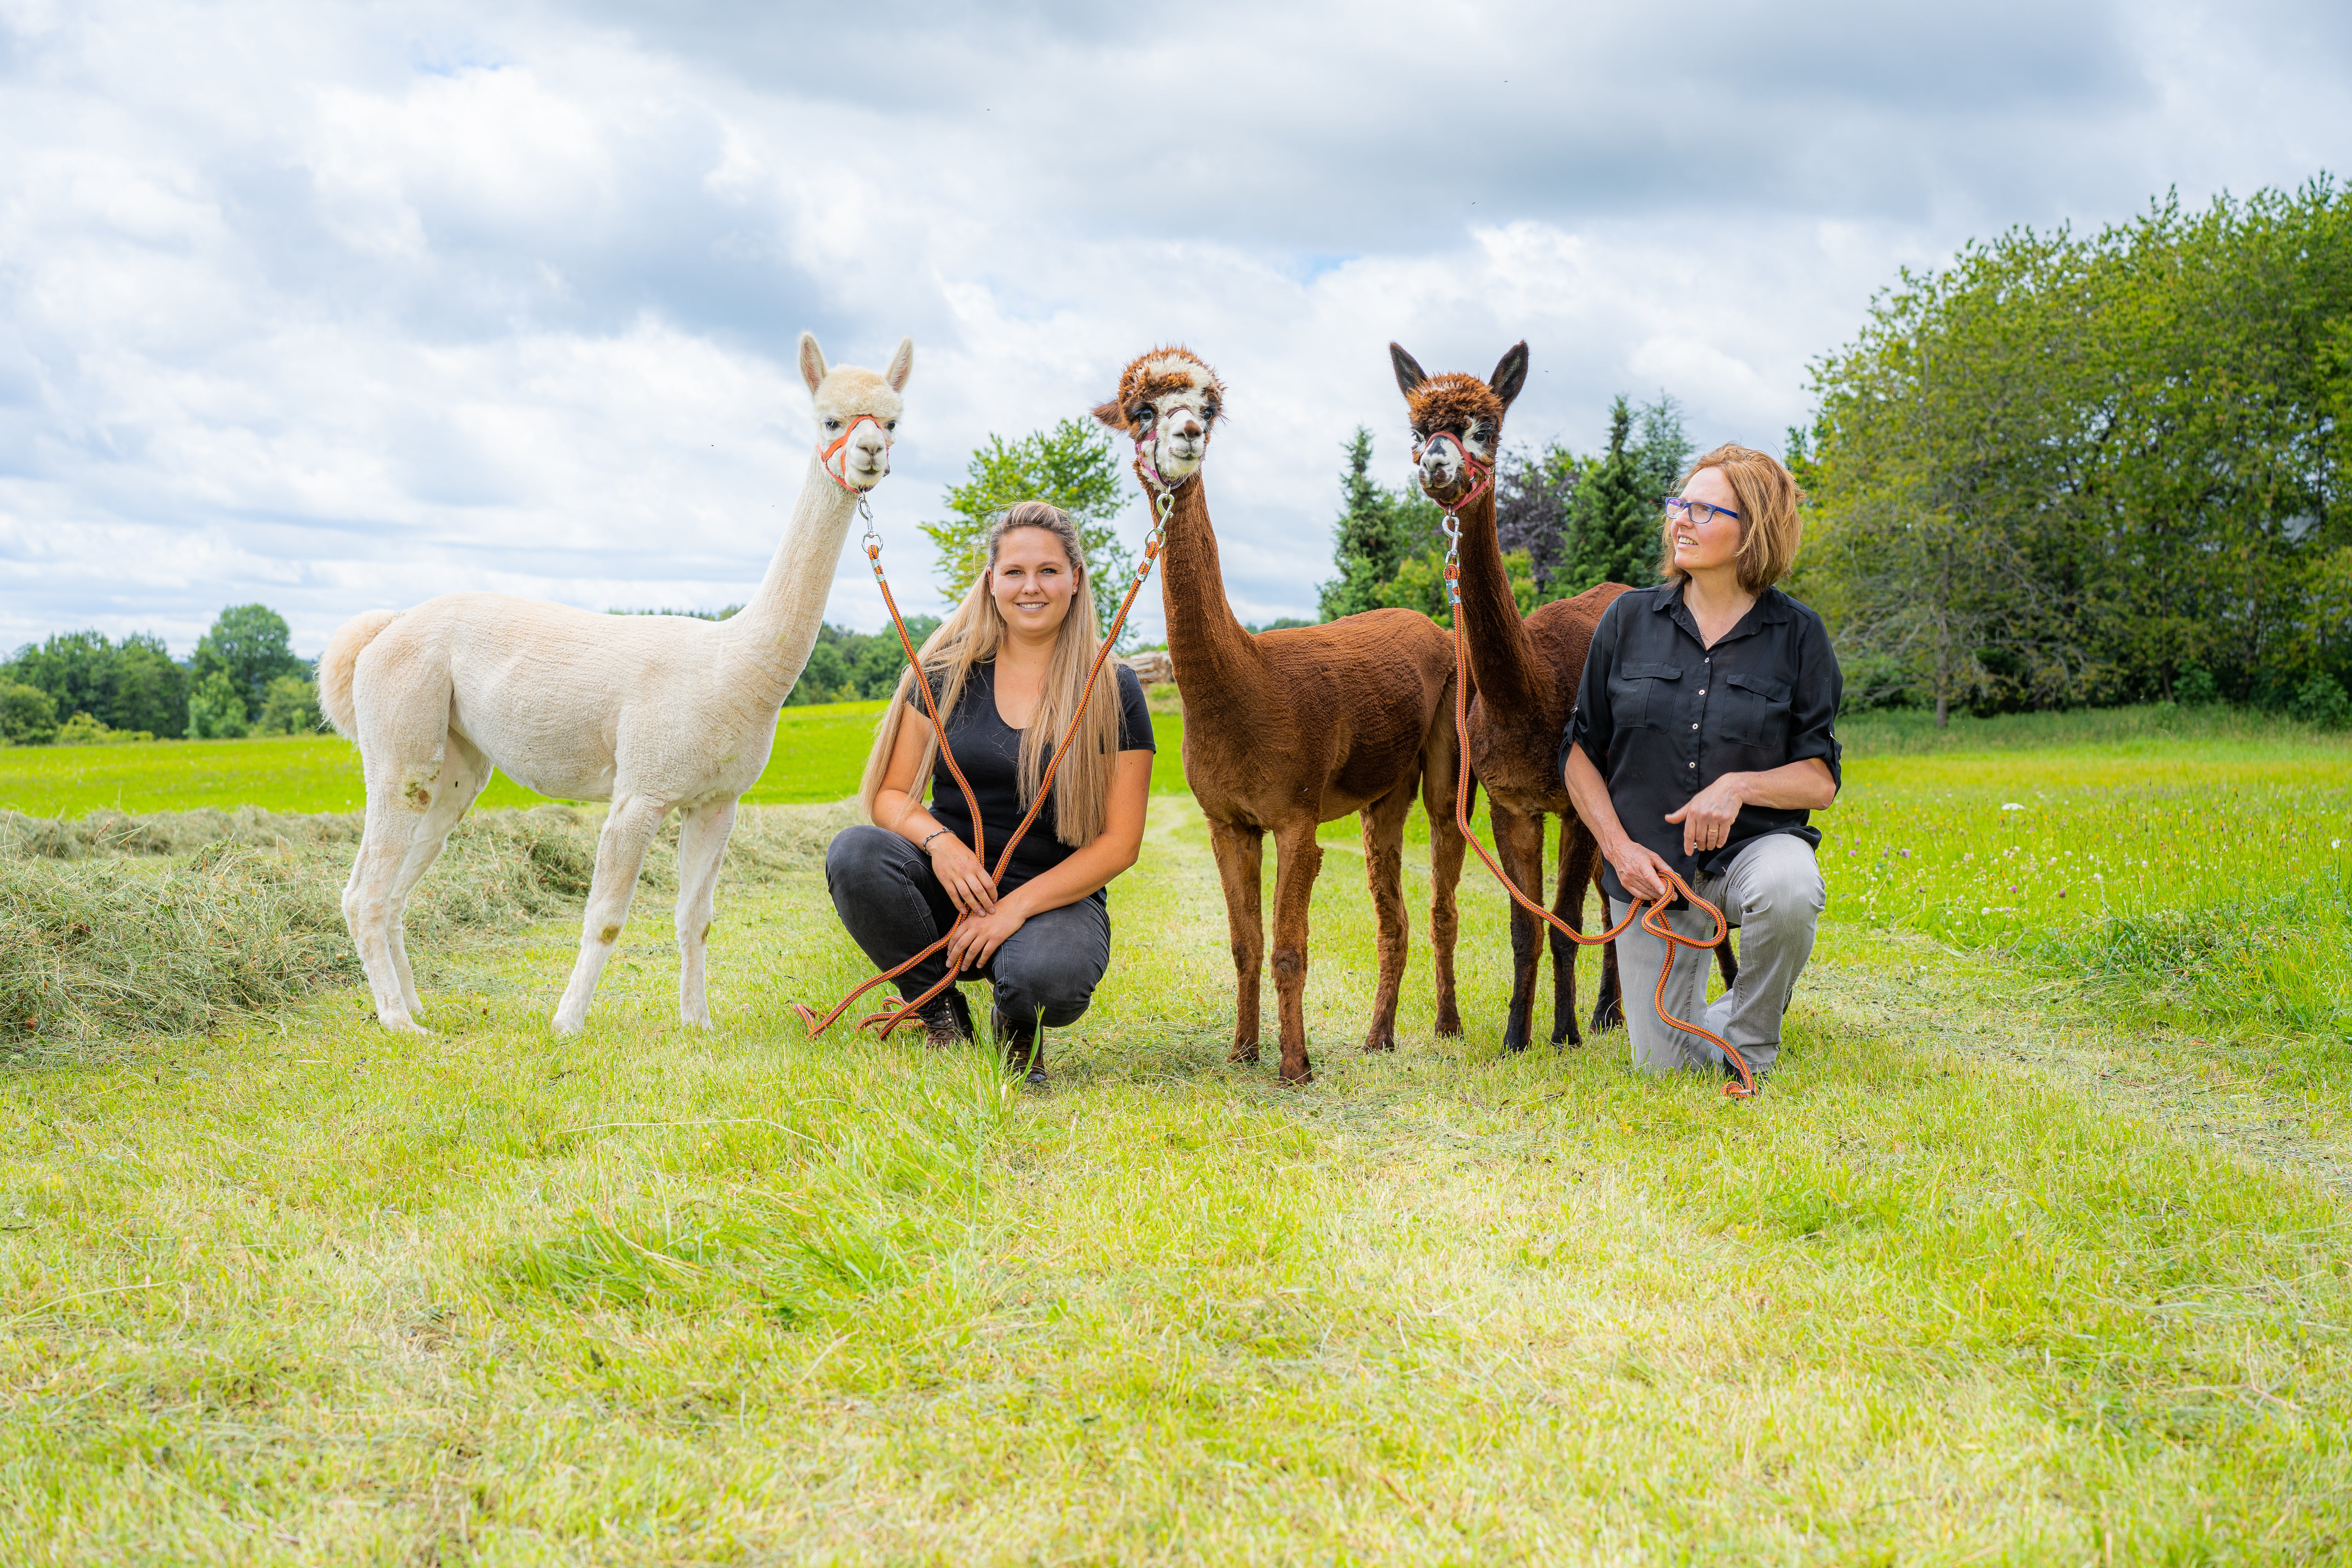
(1701, 547)
(1032, 581)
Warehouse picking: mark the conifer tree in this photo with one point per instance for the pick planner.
(1616, 524)
(1371, 543)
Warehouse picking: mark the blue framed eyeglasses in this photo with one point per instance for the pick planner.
(1701, 513)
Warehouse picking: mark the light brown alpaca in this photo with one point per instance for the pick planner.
(1525, 674)
(1288, 729)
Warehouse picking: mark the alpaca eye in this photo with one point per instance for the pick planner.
(1143, 415)
(833, 424)
(889, 424)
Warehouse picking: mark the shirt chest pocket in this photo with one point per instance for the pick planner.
(1641, 696)
(1756, 713)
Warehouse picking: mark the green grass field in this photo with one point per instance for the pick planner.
(820, 751)
(2035, 1250)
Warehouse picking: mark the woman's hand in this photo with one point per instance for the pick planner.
(961, 874)
(1707, 817)
(1641, 870)
(975, 941)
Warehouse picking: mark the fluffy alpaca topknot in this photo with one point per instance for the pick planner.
(1150, 376)
(1452, 401)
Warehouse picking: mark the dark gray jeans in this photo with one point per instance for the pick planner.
(1044, 972)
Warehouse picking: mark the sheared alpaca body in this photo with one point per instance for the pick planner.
(652, 713)
(1288, 729)
(1524, 672)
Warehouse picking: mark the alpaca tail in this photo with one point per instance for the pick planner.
(340, 659)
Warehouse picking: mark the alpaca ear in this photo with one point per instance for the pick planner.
(1111, 414)
(1510, 374)
(900, 363)
(812, 362)
(1409, 373)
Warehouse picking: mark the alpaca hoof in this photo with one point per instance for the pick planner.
(1449, 1026)
(1305, 1076)
(565, 1029)
(403, 1023)
(1245, 1054)
(1379, 1043)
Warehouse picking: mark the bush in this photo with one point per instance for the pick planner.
(2321, 701)
(289, 707)
(216, 708)
(81, 730)
(27, 717)
(2196, 689)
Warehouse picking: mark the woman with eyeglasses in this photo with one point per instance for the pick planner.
(1703, 736)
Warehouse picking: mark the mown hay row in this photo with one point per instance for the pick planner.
(176, 922)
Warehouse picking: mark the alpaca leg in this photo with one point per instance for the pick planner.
(383, 845)
(464, 770)
(1297, 859)
(1609, 1007)
(1383, 827)
(1726, 959)
(1518, 845)
(621, 848)
(1580, 852)
(1438, 769)
(701, 845)
(404, 735)
(1240, 853)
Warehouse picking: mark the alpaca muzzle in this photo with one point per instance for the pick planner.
(873, 455)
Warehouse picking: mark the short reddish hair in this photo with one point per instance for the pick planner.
(1769, 526)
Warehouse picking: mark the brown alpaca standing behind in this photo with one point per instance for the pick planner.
(1288, 729)
(1525, 672)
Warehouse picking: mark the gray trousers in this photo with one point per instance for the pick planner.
(1772, 891)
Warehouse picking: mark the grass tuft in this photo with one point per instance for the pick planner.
(180, 921)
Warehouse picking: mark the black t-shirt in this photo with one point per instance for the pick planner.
(1663, 715)
(988, 751)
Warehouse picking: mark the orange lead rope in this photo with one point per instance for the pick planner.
(895, 1012)
(1653, 917)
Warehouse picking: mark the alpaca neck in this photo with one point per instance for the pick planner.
(1206, 643)
(1500, 662)
(774, 632)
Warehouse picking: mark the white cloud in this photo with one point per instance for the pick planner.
(336, 306)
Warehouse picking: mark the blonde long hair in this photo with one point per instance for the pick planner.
(970, 636)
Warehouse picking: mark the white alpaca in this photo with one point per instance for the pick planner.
(654, 713)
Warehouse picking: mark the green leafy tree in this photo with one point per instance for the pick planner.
(132, 685)
(289, 707)
(151, 689)
(251, 645)
(1535, 504)
(216, 708)
(1072, 466)
(27, 716)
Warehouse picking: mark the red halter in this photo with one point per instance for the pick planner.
(1485, 472)
(840, 475)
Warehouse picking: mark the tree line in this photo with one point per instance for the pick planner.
(1566, 522)
(82, 686)
(2069, 469)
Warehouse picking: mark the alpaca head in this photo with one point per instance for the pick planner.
(854, 401)
(1168, 403)
(1469, 410)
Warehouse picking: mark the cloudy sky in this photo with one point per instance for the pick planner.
(340, 306)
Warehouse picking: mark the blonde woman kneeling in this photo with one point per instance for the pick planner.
(1703, 736)
(1007, 670)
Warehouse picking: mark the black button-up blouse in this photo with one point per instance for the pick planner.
(1662, 715)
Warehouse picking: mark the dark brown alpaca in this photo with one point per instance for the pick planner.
(1525, 673)
(1288, 729)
